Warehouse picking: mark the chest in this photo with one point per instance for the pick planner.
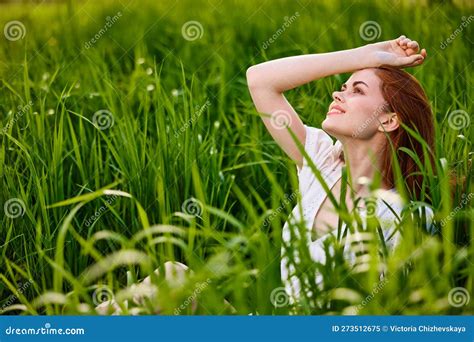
(326, 218)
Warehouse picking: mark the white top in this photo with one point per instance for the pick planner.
(326, 157)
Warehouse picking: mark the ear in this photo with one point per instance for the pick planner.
(388, 122)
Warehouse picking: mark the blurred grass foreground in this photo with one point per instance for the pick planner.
(129, 139)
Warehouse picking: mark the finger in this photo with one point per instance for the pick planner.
(405, 41)
(413, 45)
(412, 49)
(410, 60)
(417, 62)
(423, 53)
(400, 38)
(403, 45)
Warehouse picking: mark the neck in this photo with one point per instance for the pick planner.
(364, 160)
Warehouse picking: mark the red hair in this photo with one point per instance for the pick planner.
(408, 100)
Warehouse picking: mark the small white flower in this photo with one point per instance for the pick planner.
(363, 180)
(149, 71)
(50, 111)
(83, 307)
(176, 92)
(140, 60)
(217, 124)
(200, 138)
(150, 87)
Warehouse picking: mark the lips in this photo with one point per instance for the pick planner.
(336, 109)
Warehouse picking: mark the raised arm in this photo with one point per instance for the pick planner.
(268, 81)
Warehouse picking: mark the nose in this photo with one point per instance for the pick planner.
(337, 96)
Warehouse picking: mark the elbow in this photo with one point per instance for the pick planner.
(258, 78)
(252, 77)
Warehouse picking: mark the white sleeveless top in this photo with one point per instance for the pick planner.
(326, 157)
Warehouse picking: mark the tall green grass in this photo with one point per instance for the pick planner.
(187, 172)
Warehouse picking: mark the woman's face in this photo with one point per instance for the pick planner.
(358, 108)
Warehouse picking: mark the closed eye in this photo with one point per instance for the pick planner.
(355, 90)
(355, 87)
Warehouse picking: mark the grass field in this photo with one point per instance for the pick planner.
(129, 138)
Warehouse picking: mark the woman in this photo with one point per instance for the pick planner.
(369, 117)
(372, 104)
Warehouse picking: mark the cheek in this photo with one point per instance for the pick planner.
(365, 127)
(361, 108)
(363, 117)
(360, 121)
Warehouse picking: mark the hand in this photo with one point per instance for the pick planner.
(401, 52)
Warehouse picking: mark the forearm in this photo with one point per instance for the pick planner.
(290, 72)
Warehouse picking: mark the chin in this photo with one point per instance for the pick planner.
(330, 126)
(335, 129)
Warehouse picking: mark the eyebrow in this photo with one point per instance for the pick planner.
(356, 83)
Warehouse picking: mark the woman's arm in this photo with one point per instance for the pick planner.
(267, 82)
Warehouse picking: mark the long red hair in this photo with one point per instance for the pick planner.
(407, 98)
